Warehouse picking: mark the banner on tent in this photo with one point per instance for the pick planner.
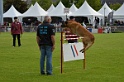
(71, 51)
(66, 10)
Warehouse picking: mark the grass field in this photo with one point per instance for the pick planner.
(104, 61)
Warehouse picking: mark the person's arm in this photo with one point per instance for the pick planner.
(21, 28)
(38, 41)
(37, 37)
(12, 28)
(53, 41)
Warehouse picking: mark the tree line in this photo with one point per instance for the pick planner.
(22, 6)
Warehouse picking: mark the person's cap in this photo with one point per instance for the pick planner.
(71, 17)
(15, 17)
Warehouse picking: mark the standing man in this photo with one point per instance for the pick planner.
(16, 30)
(46, 42)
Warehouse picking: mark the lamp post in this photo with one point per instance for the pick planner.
(1, 12)
(104, 16)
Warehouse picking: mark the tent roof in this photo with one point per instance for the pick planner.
(73, 8)
(86, 10)
(51, 8)
(35, 11)
(119, 12)
(12, 12)
(26, 12)
(58, 11)
(105, 8)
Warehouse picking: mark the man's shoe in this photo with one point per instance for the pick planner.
(49, 74)
(42, 73)
(19, 45)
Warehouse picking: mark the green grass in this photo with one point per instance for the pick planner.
(104, 61)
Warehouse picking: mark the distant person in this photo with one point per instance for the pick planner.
(70, 37)
(108, 28)
(96, 22)
(16, 30)
(46, 42)
(84, 25)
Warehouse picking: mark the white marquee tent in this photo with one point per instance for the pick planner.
(51, 8)
(26, 12)
(35, 11)
(58, 11)
(73, 8)
(119, 14)
(105, 10)
(11, 13)
(87, 11)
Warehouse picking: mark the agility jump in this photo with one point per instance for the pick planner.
(77, 28)
(71, 51)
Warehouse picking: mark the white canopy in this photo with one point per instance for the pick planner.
(35, 11)
(119, 13)
(26, 12)
(58, 11)
(73, 8)
(12, 12)
(51, 8)
(105, 10)
(86, 10)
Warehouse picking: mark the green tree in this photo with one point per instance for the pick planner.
(21, 6)
(95, 4)
(115, 6)
(45, 4)
(79, 3)
(66, 3)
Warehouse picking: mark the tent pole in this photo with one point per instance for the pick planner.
(84, 60)
(1, 12)
(61, 50)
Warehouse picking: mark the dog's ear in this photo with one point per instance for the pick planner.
(66, 22)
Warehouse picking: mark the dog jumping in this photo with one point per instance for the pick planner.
(77, 28)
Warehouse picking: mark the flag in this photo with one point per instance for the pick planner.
(71, 51)
(110, 17)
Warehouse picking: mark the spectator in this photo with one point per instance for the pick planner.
(16, 30)
(108, 28)
(83, 24)
(96, 22)
(59, 27)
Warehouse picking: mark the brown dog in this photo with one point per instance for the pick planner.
(77, 28)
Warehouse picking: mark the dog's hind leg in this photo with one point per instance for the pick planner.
(82, 50)
(85, 44)
(89, 45)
